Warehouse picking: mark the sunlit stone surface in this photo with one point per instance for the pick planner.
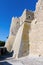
(21, 43)
(36, 34)
(26, 33)
(13, 31)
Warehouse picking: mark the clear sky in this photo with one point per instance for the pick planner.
(10, 8)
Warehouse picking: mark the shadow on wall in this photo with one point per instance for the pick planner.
(24, 47)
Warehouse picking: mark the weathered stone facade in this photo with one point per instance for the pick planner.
(36, 34)
(15, 24)
(27, 32)
(21, 43)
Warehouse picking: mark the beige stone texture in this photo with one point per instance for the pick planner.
(36, 34)
(26, 33)
(9, 43)
(21, 43)
(15, 24)
(17, 42)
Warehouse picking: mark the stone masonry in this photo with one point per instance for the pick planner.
(26, 33)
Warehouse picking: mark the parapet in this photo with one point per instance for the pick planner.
(27, 16)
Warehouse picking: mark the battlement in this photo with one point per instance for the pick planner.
(27, 16)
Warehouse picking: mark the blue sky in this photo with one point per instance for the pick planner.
(10, 8)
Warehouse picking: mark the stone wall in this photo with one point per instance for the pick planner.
(21, 43)
(36, 34)
(15, 24)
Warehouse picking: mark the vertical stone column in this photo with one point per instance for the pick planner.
(21, 43)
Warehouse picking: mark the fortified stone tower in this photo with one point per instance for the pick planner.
(15, 24)
(21, 43)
